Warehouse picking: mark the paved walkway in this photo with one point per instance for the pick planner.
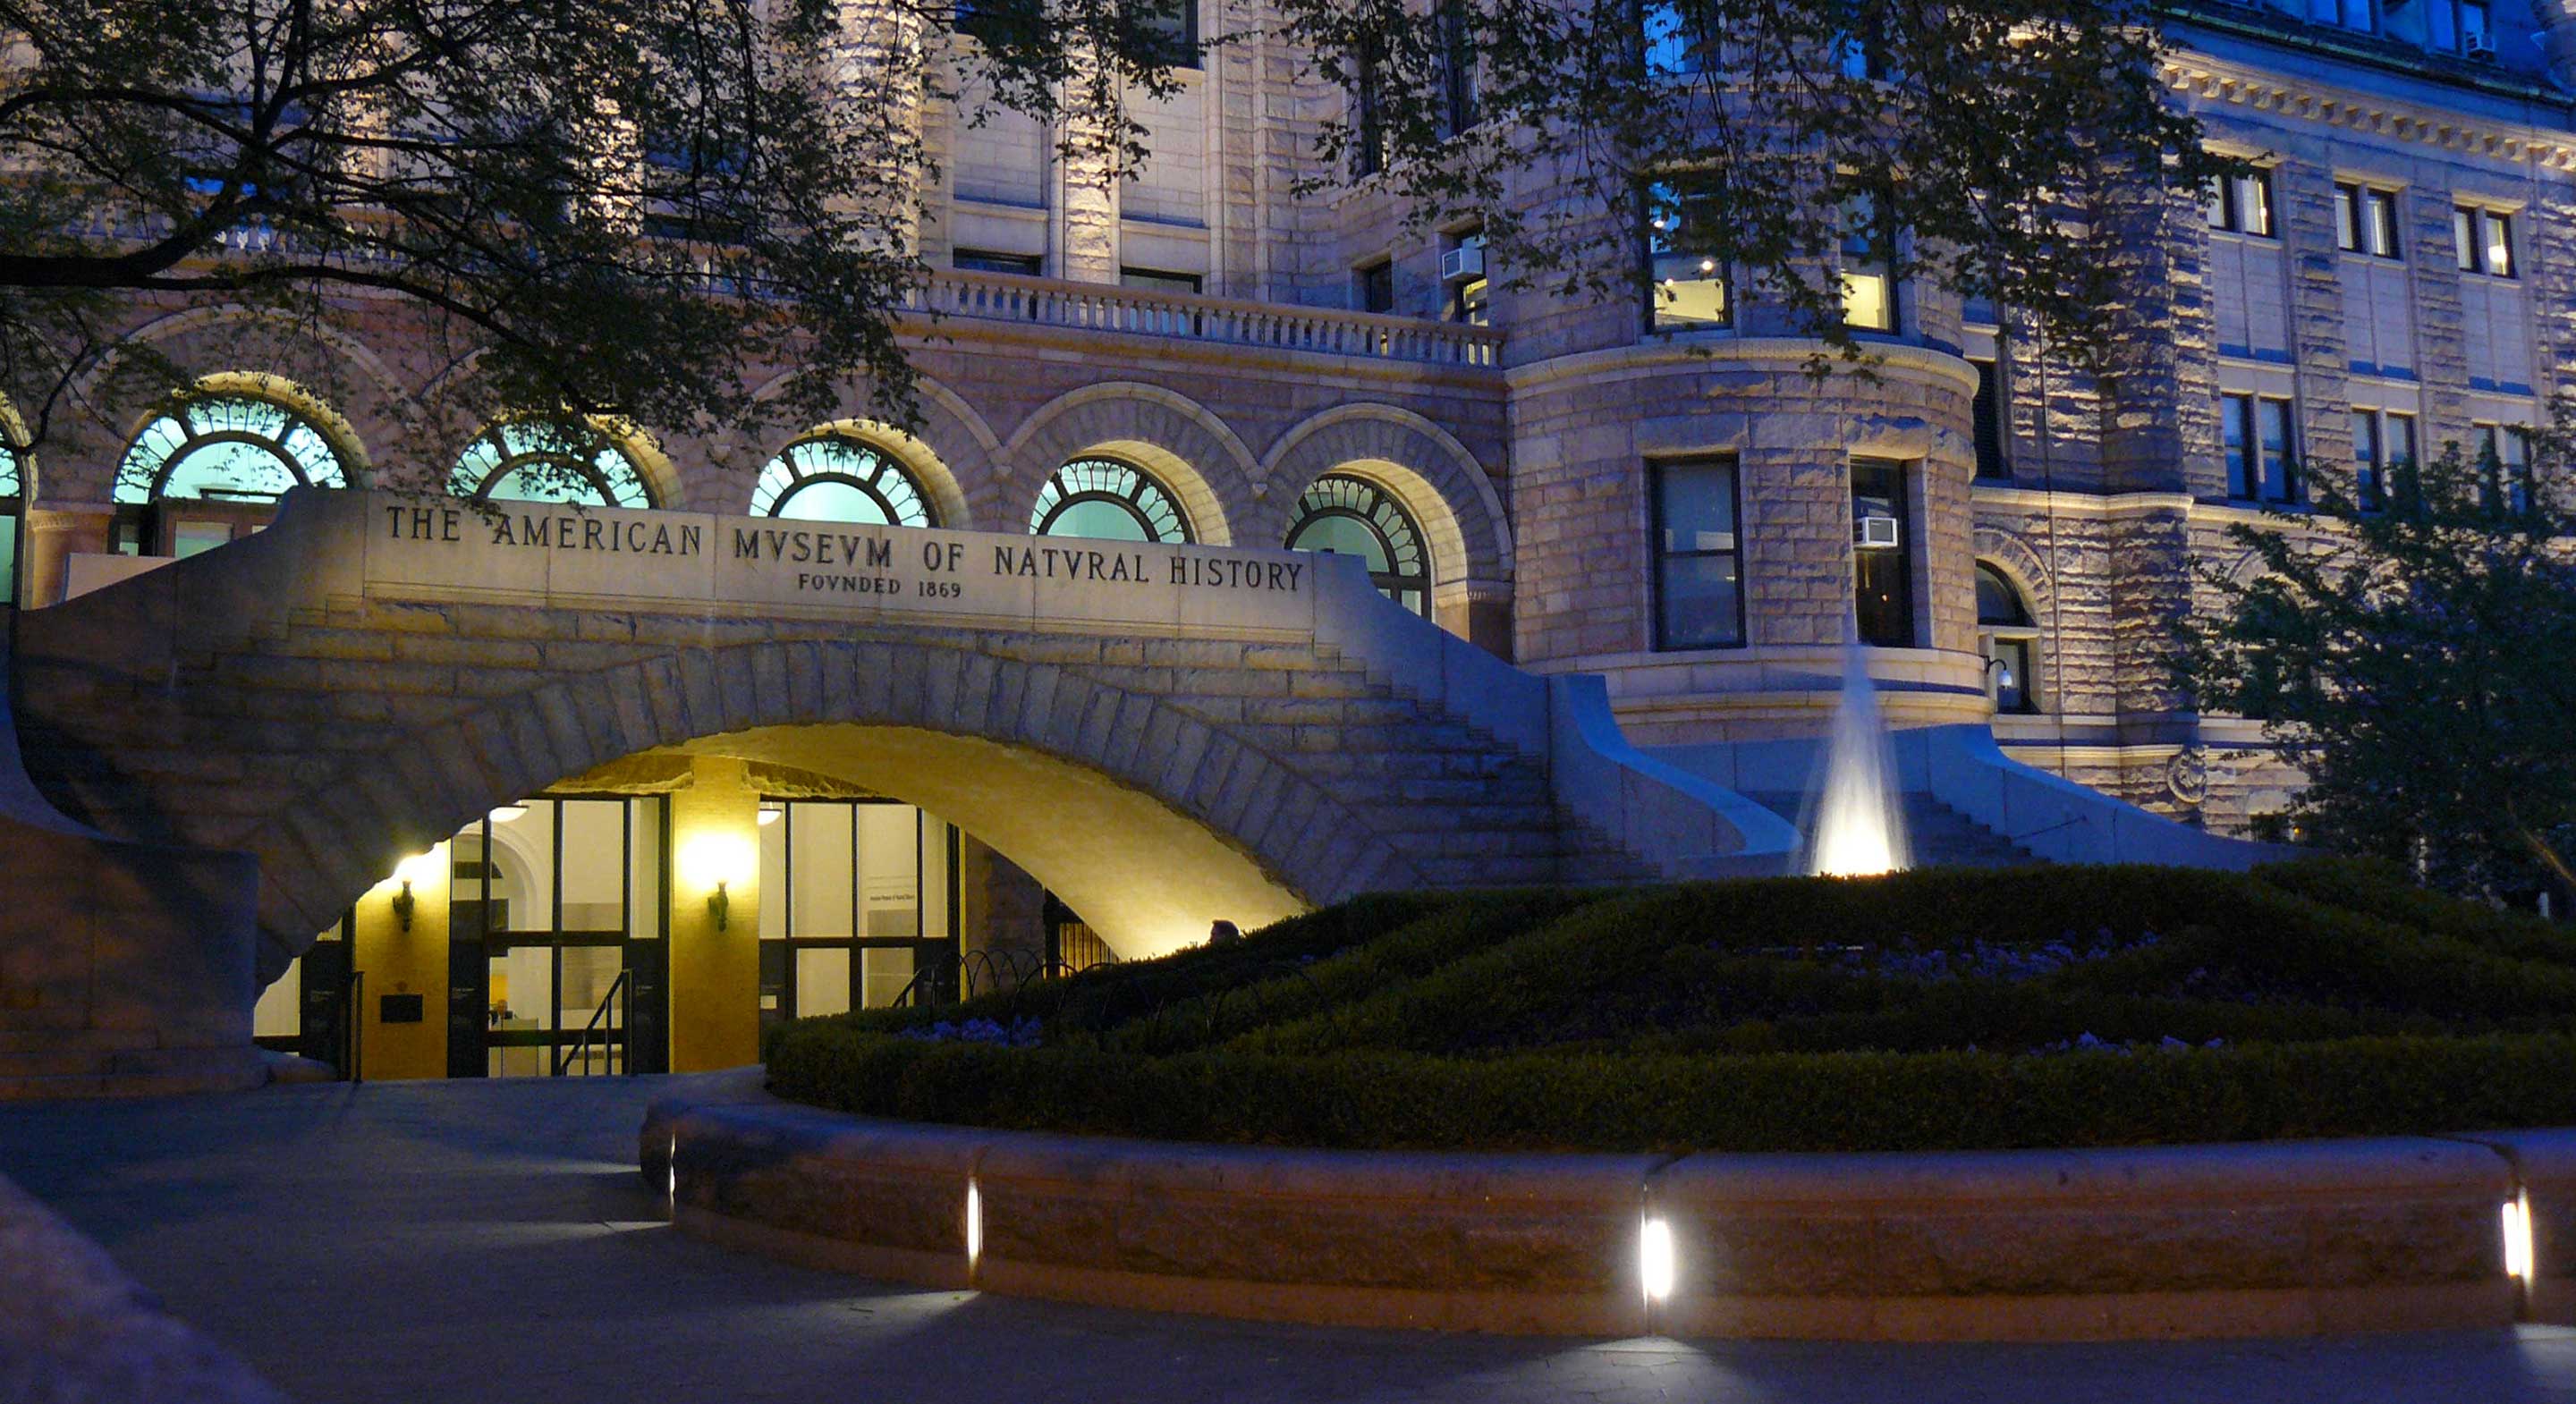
(490, 1241)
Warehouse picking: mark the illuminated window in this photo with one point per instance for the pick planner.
(2242, 204)
(1353, 517)
(1108, 500)
(833, 478)
(1687, 289)
(1869, 265)
(2009, 640)
(227, 448)
(2366, 221)
(2483, 241)
(13, 506)
(537, 461)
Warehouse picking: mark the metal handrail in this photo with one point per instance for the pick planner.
(353, 1037)
(620, 995)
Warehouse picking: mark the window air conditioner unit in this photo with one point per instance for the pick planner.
(1875, 532)
(1463, 264)
(2480, 50)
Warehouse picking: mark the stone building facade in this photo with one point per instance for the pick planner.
(1258, 368)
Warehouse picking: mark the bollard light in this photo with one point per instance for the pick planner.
(1655, 1259)
(2517, 1238)
(974, 1225)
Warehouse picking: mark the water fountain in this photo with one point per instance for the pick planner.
(1855, 820)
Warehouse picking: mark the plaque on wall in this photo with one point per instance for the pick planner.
(399, 1009)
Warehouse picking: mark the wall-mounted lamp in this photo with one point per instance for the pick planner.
(420, 867)
(505, 813)
(716, 861)
(771, 814)
(2001, 671)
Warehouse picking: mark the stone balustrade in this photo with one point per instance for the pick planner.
(1101, 307)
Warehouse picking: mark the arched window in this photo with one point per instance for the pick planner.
(13, 506)
(1354, 517)
(1102, 497)
(227, 448)
(2008, 638)
(833, 478)
(533, 461)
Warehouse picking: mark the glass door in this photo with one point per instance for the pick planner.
(552, 896)
(858, 905)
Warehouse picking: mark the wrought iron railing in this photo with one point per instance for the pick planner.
(612, 1034)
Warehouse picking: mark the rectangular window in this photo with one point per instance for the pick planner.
(1699, 586)
(2242, 204)
(2236, 428)
(1153, 280)
(1687, 289)
(1459, 90)
(987, 261)
(2369, 486)
(1368, 120)
(2262, 449)
(2280, 450)
(1882, 554)
(1674, 38)
(2482, 241)
(1869, 279)
(1462, 278)
(1376, 284)
(1177, 23)
(2399, 432)
(2366, 221)
(2504, 467)
(1988, 414)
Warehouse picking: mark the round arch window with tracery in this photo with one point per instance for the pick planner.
(227, 448)
(532, 461)
(834, 478)
(1109, 500)
(1355, 517)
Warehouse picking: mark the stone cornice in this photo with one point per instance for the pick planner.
(2219, 81)
(1790, 353)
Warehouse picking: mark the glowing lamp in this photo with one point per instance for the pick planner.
(1655, 1260)
(716, 861)
(770, 814)
(420, 867)
(509, 812)
(974, 1224)
(2517, 1239)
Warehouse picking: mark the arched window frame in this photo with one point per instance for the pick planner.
(199, 421)
(1100, 478)
(815, 459)
(1348, 497)
(613, 475)
(13, 517)
(2011, 640)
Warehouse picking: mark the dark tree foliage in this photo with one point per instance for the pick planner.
(2419, 663)
(1988, 147)
(612, 207)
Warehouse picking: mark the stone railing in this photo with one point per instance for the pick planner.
(1050, 302)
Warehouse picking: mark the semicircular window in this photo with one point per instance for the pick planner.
(1355, 517)
(830, 478)
(1110, 500)
(533, 461)
(227, 448)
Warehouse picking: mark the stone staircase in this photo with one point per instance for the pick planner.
(1939, 835)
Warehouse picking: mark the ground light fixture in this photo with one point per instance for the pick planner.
(1655, 1259)
(974, 1226)
(2517, 1238)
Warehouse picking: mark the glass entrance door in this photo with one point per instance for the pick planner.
(858, 903)
(555, 941)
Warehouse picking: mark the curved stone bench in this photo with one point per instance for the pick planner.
(2268, 1239)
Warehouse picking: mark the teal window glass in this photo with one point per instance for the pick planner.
(1354, 517)
(1109, 500)
(533, 461)
(831, 478)
(227, 448)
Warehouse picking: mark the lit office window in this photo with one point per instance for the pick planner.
(1869, 265)
(1699, 586)
(2482, 240)
(1687, 289)
(834, 478)
(2242, 204)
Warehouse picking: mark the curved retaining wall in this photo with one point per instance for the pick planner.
(2276, 1239)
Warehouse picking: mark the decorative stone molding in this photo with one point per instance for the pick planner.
(2212, 80)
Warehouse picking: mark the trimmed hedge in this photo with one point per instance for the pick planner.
(1783, 1102)
(1777, 1014)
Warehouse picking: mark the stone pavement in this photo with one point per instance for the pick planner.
(490, 1241)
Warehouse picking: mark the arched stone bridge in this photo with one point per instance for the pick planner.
(1158, 733)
